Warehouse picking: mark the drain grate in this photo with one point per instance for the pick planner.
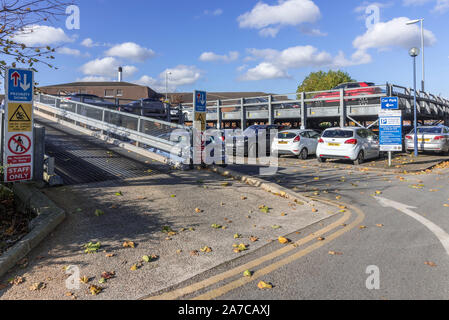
(78, 161)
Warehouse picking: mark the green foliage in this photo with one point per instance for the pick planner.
(320, 81)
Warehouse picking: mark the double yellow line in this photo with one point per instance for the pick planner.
(215, 293)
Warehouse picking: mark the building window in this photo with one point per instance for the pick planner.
(119, 93)
(109, 93)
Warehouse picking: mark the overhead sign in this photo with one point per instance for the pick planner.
(390, 103)
(18, 123)
(19, 85)
(390, 130)
(200, 101)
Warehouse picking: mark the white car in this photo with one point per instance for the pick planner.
(351, 143)
(299, 143)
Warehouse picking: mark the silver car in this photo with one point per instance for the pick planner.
(430, 138)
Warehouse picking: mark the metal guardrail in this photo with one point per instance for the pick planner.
(145, 132)
(331, 104)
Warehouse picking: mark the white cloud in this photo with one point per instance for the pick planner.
(269, 32)
(212, 57)
(393, 33)
(441, 6)
(415, 2)
(179, 76)
(130, 50)
(88, 42)
(285, 13)
(276, 64)
(264, 71)
(37, 35)
(216, 12)
(69, 51)
(312, 32)
(94, 79)
(106, 67)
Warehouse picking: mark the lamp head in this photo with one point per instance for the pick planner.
(413, 21)
(413, 52)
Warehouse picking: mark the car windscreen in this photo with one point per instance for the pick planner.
(430, 130)
(287, 135)
(338, 134)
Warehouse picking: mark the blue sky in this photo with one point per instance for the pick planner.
(236, 45)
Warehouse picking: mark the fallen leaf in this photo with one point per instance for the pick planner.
(94, 290)
(216, 226)
(38, 286)
(253, 239)
(314, 210)
(236, 236)
(276, 227)
(335, 253)
(99, 212)
(119, 193)
(247, 273)
(92, 247)
(379, 225)
(362, 227)
(264, 209)
(206, 249)
(108, 275)
(194, 253)
(133, 267)
(263, 285)
(84, 279)
(321, 239)
(128, 244)
(198, 210)
(283, 240)
(430, 263)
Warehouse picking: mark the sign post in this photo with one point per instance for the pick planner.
(18, 140)
(199, 123)
(390, 126)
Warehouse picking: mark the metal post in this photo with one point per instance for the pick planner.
(415, 124)
(422, 48)
(303, 112)
(342, 109)
(38, 153)
(270, 110)
(138, 129)
(242, 114)
(389, 158)
(219, 115)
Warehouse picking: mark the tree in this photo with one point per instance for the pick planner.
(320, 81)
(19, 17)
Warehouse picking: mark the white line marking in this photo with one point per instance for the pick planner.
(437, 231)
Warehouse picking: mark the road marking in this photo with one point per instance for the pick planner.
(175, 294)
(437, 231)
(257, 274)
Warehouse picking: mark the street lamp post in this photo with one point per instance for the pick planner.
(166, 85)
(422, 47)
(414, 52)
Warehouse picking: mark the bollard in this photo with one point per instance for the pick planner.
(38, 152)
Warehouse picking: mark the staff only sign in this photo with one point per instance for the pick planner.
(18, 124)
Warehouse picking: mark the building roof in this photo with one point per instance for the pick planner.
(187, 97)
(95, 84)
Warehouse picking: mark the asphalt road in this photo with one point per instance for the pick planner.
(409, 255)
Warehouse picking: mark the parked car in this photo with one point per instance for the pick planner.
(88, 99)
(351, 89)
(430, 138)
(300, 143)
(248, 141)
(351, 143)
(146, 107)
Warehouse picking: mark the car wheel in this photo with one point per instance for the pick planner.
(304, 154)
(360, 158)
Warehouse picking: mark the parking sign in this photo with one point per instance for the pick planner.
(390, 130)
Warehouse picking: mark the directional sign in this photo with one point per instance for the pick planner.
(390, 103)
(390, 130)
(200, 101)
(19, 85)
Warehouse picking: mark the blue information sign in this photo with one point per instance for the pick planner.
(390, 103)
(19, 85)
(200, 101)
(390, 130)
